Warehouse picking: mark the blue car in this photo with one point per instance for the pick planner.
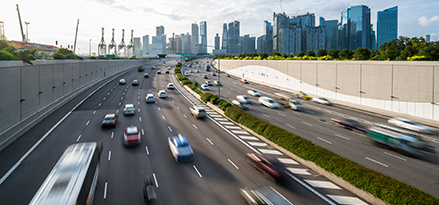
(180, 148)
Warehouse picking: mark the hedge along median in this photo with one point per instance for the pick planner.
(390, 190)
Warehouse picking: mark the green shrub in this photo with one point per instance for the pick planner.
(178, 65)
(183, 78)
(177, 70)
(214, 100)
(206, 97)
(195, 85)
(198, 91)
(186, 82)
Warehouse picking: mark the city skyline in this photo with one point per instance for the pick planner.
(46, 25)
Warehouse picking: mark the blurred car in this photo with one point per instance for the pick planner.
(122, 81)
(269, 165)
(159, 72)
(240, 104)
(170, 86)
(303, 95)
(205, 76)
(410, 125)
(180, 148)
(128, 109)
(349, 124)
(191, 71)
(204, 87)
(244, 81)
(162, 94)
(131, 136)
(213, 74)
(167, 72)
(169, 67)
(186, 74)
(244, 99)
(266, 101)
(217, 83)
(209, 83)
(135, 83)
(254, 93)
(149, 193)
(323, 101)
(150, 98)
(152, 67)
(227, 75)
(146, 75)
(198, 112)
(198, 71)
(109, 120)
(264, 196)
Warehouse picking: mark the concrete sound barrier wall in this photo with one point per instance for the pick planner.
(394, 88)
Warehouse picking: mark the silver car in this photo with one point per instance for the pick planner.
(410, 125)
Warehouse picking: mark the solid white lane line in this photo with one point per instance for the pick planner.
(169, 128)
(324, 140)
(79, 137)
(184, 116)
(147, 151)
(199, 174)
(306, 123)
(290, 126)
(195, 126)
(380, 163)
(163, 117)
(233, 164)
(94, 112)
(140, 119)
(88, 122)
(109, 155)
(99, 104)
(266, 116)
(155, 179)
(143, 133)
(398, 157)
(342, 137)
(209, 141)
(311, 189)
(105, 191)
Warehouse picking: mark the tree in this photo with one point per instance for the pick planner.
(321, 52)
(431, 52)
(3, 44)
(5, 56)
(277, 54)
(362, 54)
(58, 56)
(301, 54)
(333, 53)
(346, 54)
(311, 53)
(264, 55)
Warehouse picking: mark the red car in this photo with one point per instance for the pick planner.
(244, 81)
(350, 124)
(268, 165)
(131, 136)
(135, 82)
(227, 75)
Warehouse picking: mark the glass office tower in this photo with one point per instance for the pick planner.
(387, 25)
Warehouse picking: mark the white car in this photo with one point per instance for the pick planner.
(129, 109)
(240, 104)
(254, 93)
(171, 86)
(169, 67)
(323, 101)
(204, 87)
(122, 81)
(150, 98)
(162, 94)
(410, 125)
(244, 99)
(209, 83)
(217, 83)
(266, 101)
(186, 74)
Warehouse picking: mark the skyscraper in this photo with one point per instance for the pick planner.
(354, 29)
(159, 30)
(203, 37)
(233, 38)
(194, 29)
(187, 45)
(224, 38)
(217, 41)
(267, 38)
(387, 25)
(248, 44)
(331, 31)
(145, 45)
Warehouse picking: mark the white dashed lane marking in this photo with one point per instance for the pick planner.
(258, 144)
(248, 137)
(298, 171)
(322, 184)
(287, 161)
(227, 123)
(346, 200)
(239, 132)
(220, 119)
(232, 127)
(269, 151)
(216, 115)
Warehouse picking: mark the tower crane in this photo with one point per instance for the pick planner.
(76, 35)
(23, 38)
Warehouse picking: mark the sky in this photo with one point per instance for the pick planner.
(56, 20)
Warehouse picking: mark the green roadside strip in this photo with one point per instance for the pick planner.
(388, 189)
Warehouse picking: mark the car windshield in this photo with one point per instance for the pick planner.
(245, 97)
(271, 101)
(109, 118)
(129, 108)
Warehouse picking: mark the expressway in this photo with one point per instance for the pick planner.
(314, 124)
(219, 170)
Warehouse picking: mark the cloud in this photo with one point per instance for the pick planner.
(424, 21)
(173, 17)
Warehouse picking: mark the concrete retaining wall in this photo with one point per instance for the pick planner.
(406, 89)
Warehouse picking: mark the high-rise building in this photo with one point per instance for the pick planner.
(146, 45)
(260, 44)
(387, 25)
(354, 28)
(331, 31)
(248, 44)
(186, 43)
(195, 42)
(427, 38)
(137, 47)
(224, 37)
(159, 30)
(268, 38)
(203, 37)
(217, 41)
(158, 44)
(233, 38)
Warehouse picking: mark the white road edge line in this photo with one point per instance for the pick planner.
(380, 163)
(197, 171)
(311, 189)
(233, 164)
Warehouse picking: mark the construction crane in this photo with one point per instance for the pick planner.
(280, 3)
(23, 38)
(76, 35)
(27, 34)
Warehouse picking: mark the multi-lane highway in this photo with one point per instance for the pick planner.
(215, 176)
(314, 124)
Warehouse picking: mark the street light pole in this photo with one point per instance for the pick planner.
(89, 49)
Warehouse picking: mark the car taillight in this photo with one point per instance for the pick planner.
(114, 122)
(102, 123)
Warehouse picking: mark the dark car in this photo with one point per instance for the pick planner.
(135, 83)
(167, 71)
(159, 72)
(269, 165)
(146, 75)
(149, 192)
(109, 120)
(350, 124)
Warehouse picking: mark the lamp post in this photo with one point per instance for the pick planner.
(89, 49)
(219, 70)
